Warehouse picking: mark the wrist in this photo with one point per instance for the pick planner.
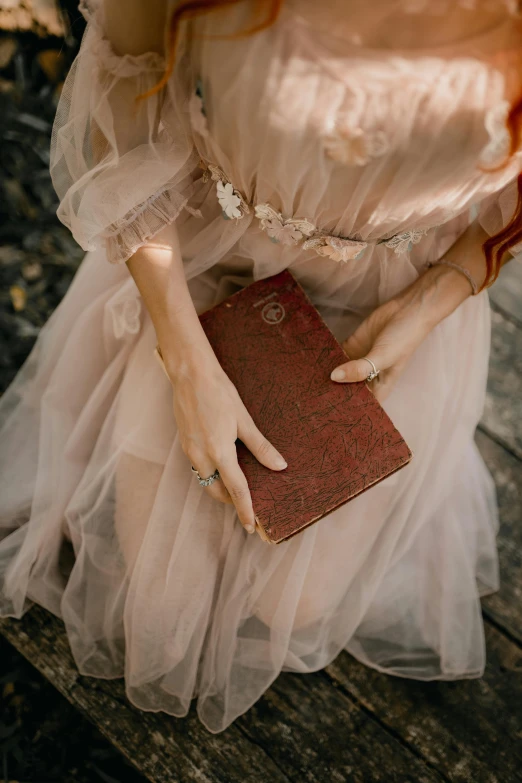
(449, 280)
(439, 291)
(187, 359)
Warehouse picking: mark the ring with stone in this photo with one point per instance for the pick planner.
(374, 373)
(205, 482)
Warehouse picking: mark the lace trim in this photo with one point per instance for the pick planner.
(125, 236)
(299, 231)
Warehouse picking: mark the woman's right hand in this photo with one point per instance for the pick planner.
(209, 411)
(210, 416)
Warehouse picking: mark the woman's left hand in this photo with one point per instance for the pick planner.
(391, 334)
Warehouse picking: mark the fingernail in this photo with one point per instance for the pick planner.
(281, 462)
(250, 528)
(337, 374)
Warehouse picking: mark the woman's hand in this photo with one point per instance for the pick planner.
(210, 416)
(391, 334)
(209, 411)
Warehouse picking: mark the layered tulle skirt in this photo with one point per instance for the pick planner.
(103, 523)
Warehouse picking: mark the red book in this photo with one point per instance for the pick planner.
(336, 438)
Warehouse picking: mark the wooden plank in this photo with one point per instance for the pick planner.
(164, 749)
(457, 726)
(304, 729)
(469, 730)
(315, 734)
(300, 727)
(506, 292)
(505, 607)
(503, 410)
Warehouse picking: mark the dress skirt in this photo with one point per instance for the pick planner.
(164, 587)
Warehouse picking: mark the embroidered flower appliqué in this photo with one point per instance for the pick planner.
(126, 317)
(497, 149)
(403, 243)
(353, 146)
(336, 248)
(288, 232)
(288, 235)
(230, 200)
(299, 231)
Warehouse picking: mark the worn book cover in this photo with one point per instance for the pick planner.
(338, 441)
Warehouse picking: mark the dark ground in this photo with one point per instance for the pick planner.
(38, 256)
(43, 739)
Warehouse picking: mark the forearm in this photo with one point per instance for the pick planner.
(157, 269)
(445, 288)
(209, 412)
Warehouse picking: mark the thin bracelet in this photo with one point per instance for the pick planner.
(465, 272)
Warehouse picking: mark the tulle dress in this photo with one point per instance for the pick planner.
(295, 147)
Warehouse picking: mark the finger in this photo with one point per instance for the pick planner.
(382, 386)
(206, 467)
(357, 344)
(359, 369)
(218, 491)
(235, 481)
(260, 446)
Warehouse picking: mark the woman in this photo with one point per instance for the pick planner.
(392, 127)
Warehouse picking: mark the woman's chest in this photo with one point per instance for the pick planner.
(291, 122)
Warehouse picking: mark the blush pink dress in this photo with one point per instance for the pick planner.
(293, 148)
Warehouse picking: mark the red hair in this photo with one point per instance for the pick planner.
(495, 247)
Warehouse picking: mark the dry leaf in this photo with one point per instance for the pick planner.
(41, 16)
(8, 47)
(16, 193)
(8, 689)
(18, 297)
(52, 63)
(32, 270)
(9, 254)
(6, 86)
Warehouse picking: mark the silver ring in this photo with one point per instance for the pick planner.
(205, 482)
(374, 373)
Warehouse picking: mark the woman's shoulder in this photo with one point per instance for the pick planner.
(131, 26)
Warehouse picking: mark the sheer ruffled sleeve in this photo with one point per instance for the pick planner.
(121, 168)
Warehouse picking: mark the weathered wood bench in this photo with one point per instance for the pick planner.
(347, 722)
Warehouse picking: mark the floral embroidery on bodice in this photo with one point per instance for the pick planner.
(352, 146)
(296, 230)
(372, 124)
(497, 149)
